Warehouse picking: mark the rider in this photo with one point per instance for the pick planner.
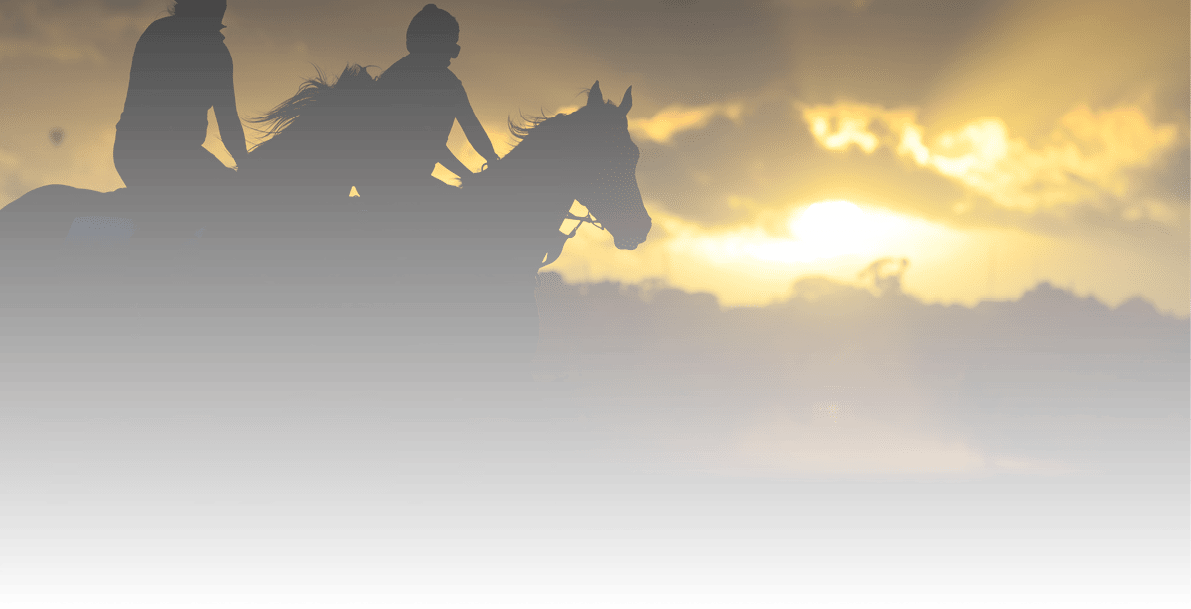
(180, 69)
(428, 99)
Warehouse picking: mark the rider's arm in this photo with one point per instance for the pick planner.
(231, 131)
(452, 163)
(474, 130)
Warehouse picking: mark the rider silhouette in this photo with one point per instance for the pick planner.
(426, 99)
(180, 69)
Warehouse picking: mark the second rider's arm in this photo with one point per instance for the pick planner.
(231, 131)
(453, 164)
(476, 136)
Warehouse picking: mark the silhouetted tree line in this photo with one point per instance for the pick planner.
(1048, 352)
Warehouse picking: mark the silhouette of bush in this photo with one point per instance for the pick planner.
(1048, 352)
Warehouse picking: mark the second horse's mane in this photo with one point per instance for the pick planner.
(322, 103)
(315, 93)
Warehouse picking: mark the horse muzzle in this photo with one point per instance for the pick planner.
(629, 238)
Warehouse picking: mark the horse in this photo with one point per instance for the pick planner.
(508, 215)
(456, 273)
(306, 163)
(473, 250)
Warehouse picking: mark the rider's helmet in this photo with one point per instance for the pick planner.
(433, 30)
(200, 11)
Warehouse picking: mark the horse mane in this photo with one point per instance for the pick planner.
(537, 129)
(313, 93)
(521, 128)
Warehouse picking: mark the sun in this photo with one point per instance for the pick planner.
(834, 228)
(833, 231)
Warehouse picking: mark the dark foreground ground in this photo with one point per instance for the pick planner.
(487, 454)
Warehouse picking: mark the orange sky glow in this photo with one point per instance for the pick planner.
(994, 146)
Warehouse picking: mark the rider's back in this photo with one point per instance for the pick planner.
(179, 67)
(423, 98)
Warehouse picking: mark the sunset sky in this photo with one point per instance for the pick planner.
(995, 144)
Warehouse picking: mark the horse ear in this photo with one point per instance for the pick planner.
(627, 103)
(595, 97)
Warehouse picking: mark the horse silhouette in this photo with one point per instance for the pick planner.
(319, 145)
(454, 274)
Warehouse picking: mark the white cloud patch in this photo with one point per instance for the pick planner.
(1090, 155)
(674, 119)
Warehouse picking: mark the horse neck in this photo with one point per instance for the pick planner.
(533, 179)
(282, 168)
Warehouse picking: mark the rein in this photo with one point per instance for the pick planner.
(562, 237)
(588, 219)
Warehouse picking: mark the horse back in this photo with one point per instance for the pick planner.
(43, 216)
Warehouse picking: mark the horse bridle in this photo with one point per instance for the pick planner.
(554, 253)
(588, 219)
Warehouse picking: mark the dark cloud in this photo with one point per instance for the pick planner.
(702, 51)
(889, 53)
(851, 6)
(65, 30)
(771, 159)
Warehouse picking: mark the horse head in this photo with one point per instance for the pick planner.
(608, 168)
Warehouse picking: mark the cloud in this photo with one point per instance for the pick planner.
(66, 32)
(10, 180)
(1030, 62)
(1090, 157)
(854, 6)
(818, 233)
(727, 172)
(8, 160)
(674, 119)
(35, 161)
(11, 185)
(730, 163)
(677, 118)
(905, 173)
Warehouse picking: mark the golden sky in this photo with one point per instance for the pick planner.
(995, 144)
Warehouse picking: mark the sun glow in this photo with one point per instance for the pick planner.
(820, 231)
(835, 228)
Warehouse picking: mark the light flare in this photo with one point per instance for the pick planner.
(821, 231)
(834, 228)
